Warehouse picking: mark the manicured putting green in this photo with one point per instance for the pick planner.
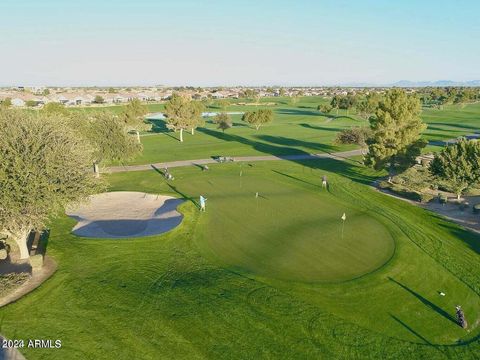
(291, 232)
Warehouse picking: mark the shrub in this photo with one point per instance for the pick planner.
(11, 281)
(425, 197)
(384, 185)
(411, 195)
(476, 209)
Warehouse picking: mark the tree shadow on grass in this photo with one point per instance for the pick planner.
(160, 127)
(296, 178)
(454, 125)
(426, 302)
(183, 195)
(306, 112)
(285, 141)
(259, 146)
(322, 128)
(346, 167)
(411, 330)
(471, 239)
(174, 188)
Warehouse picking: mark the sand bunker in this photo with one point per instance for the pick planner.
(125, 214)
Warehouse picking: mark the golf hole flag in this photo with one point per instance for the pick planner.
(344, 217)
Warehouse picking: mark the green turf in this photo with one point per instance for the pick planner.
(272, 234)
(174, 296)
(297, 129)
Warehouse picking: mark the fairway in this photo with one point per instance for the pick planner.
(289, 231)
(266, 275)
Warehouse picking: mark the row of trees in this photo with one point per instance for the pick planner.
(394, 135)
(364, 105)
(394, 142)
(184, 114)
(47, 159)
(438, 97)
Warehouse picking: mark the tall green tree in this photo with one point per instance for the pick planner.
(223, 121)
(108, 136)
(367, 106)
(346, 102)
(45, 166)
(325, 108)
(133, 116)
(196, 110)
(335, 103)
(258, 118)
(183, 114)
(355, 135)
(458, 165)
(396, 132)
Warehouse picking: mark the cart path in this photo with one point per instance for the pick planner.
(172, 164)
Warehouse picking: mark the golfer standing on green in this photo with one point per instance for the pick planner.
(202, 203)
(324, 181)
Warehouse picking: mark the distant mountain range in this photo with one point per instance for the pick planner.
(411, 84)
(406, 83)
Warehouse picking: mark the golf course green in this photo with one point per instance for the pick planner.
(287, 231)
(268, 275)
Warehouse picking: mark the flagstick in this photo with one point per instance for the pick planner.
(343, 226)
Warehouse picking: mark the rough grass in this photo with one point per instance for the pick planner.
(169, 296)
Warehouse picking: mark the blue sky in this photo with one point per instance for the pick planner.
(213, 42)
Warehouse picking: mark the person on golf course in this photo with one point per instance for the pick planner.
(324, 181)
(202, 203)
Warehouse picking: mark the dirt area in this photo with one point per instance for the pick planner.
(452, 211)
(125, 214)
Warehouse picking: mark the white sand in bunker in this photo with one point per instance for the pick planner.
(125, 214)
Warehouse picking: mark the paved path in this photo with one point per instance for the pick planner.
(172, 164)
(337, 155)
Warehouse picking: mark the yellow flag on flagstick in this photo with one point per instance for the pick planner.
(344, 217)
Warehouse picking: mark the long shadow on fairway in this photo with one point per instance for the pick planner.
(296, 178)
(160, 126)
(410, 329)
(307, 112)
(174, 188)
(454, 125)
(322, 128)
(468, 237)
(278, 145)
(285, 141)
(346, 167)
(426, 302)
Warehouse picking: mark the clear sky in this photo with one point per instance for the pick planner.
(242, 42)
